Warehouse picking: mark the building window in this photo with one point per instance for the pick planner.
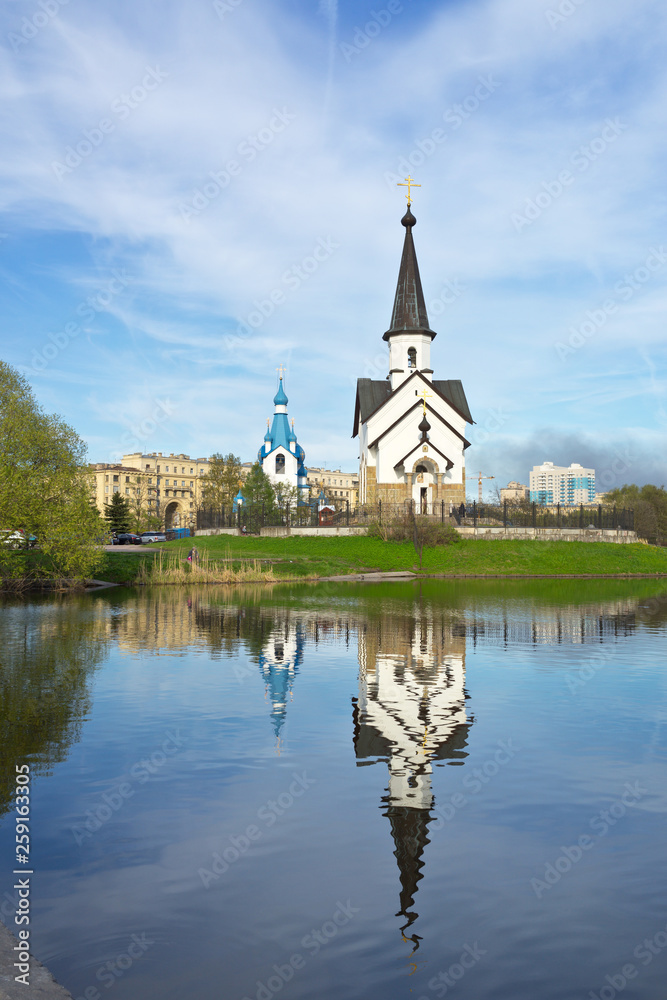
(127, 479)
(190, 471)
(166, 468)
(106, 479)
(280, 465)
(166, 482)
(115, 479)
(182, 480)
(127, 492)
(191, 484)
(150, 482)
(106, 489)
(116, 489)
(412, 357)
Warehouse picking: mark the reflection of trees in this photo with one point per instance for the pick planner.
(47, 655)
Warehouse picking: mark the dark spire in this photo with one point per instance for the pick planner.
(409, 313)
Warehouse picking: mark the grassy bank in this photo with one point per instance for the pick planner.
(228, 558)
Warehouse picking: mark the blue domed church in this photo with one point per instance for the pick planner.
(281, 456)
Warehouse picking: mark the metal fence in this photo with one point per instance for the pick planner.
(505, 515)
(254, 517)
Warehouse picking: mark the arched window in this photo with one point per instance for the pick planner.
(421, 468)
(412, 357)
(280, 465)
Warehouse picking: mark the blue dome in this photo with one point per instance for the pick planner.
(280, 399)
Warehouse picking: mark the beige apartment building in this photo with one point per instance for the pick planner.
(344, 485)
(164, 486)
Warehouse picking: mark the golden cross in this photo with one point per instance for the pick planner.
(409, 183)
(424, 396)
(281, 370)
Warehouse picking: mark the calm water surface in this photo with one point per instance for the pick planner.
(399, 791)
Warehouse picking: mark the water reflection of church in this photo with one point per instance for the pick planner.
(411, 711)
(279, 661)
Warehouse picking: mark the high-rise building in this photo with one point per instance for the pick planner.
(565, 485)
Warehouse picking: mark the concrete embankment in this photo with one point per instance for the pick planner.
(41, 984)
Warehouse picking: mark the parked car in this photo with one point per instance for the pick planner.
(129, 538)
(153, 536)
(16, 539)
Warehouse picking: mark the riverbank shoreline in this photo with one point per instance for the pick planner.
(41, 985)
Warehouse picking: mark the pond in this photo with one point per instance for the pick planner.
(406, 791)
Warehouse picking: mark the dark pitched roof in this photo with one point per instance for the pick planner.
(409, 313)
(452, 390)
(373, 393)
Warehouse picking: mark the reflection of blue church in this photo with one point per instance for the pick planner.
(279, 662)
(281, 456)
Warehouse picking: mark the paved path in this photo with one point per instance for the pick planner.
(42, 984)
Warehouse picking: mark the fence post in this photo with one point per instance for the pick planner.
(615, 524)
(442, 512)
(347, 513)
(581, 515)
(380, 511)
(534, 514)
(504, 513)
(474, 513)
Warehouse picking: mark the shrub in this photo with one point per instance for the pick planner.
(419, 530)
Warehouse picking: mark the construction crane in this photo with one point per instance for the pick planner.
(479, 477)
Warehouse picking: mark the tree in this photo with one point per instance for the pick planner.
(142, 517)
(257, 488)
(45, 489)
(221, 483)
(118, 514)
(650, 506)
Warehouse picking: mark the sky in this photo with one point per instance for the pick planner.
(194, 194)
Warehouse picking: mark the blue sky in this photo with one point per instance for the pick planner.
(195, 194)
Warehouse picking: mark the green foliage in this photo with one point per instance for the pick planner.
(650, 506)
(118, 514)
(221, 484)
(421, 531)
(45, 488)
(257, 488)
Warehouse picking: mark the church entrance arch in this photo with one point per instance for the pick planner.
(173, 516)
(424, 480)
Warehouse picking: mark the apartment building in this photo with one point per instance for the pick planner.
(566, 485)
(336, 484)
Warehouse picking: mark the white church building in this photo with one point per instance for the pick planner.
(281, 456)
(411, 427)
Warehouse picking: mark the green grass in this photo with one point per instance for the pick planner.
(306, 557)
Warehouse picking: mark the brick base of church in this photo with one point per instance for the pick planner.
(398, 493)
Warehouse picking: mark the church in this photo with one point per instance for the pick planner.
(411, 427)
(281, 456)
